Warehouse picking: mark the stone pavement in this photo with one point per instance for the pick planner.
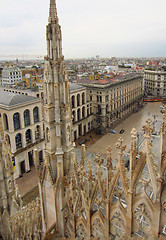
(27, 182)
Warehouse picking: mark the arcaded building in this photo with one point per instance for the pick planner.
(82, 110)
(23, 129)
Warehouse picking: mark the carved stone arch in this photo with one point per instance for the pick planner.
(117, 223)
(139, 187)
(143, 200)
(69, 228)
(142, 221)
(97, 215)
(118, 208)
(81, 228)
(97, 222)
(150, 192)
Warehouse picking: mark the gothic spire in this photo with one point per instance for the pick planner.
(53, 11)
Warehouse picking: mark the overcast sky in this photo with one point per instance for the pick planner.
(120, 28)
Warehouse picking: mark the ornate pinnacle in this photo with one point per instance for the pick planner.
(98, 159)
(89, 173)
(109, 158)
(148, 128)
(81, 174)
(134, 137)
(119, 145)
(134, 133)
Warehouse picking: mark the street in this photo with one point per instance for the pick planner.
(136, 120)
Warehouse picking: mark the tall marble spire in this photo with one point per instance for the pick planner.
(53, 34)
(53, 11)
(57, 124)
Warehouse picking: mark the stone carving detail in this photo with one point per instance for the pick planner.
(26, 223)
(97, 229)
(124, 204)
(81, 232)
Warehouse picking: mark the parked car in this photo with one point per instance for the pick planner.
(112, 131)
(121, 131)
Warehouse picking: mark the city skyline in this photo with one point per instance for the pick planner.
(107, 28)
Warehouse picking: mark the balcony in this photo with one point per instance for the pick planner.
(22, 149)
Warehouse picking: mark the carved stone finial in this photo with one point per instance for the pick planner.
(119, 145)
(109, 158)
(98, 159)
(148, 129)
(134, 133)
(81, 174)
(134, 137)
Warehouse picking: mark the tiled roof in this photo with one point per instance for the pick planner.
(75, 86)
(12, 99)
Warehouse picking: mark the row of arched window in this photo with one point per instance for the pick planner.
(28, 137)
(16, 119)
(81, 113)
(78, 99)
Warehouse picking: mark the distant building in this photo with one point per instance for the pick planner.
(32, 76)
(155, 83)
(11, 76)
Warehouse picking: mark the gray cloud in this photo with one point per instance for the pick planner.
(105, 27)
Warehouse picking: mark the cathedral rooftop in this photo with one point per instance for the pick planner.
(8, 99)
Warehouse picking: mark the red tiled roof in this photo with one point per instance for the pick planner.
(112, 79)
(103, 81)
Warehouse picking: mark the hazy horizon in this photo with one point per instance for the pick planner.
(106, 28)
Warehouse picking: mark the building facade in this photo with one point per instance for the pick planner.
(98, 105)
(82, 110)
(11, 76)
(23, 129)
(155, 83)
(114, 101)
